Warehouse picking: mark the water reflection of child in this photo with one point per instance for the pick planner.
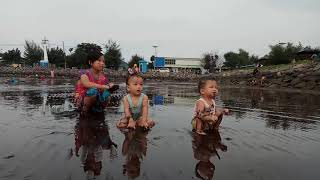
(205, 147)
(134, 148)
(93, 88)
(206, 116)
(91, 133)
(135, 105)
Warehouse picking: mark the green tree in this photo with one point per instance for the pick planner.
(253, 58)
(113, 55)
(134, 60)
(209, 61)
(12, 56)
(79, 57)
(56, 56)
(32, 53)
(280, 54)
(231, 59)
(242, 58)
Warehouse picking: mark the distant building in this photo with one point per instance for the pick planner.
(263, 60)
(308, 54)
(123, 66)
(176, 64)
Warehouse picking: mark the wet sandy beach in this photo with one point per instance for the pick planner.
(269, 135)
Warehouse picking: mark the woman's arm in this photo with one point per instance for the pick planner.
(87, 84)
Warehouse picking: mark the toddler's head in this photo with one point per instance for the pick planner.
(134, 84)
(208, 87)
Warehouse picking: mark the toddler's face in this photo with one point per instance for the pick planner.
(210, 89)
(135, 86)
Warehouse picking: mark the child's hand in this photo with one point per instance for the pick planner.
(131, 124)
(110, 85)
(226, 111)
(144, 124)
(214, 118)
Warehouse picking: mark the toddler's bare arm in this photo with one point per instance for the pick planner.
(126, 106)
(145, 110)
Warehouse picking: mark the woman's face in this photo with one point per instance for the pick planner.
(99, 64)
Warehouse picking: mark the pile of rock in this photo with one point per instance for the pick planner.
(299, 77)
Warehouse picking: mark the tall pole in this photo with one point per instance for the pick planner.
(155, 50)
(45, 43)
(64, 55)
(155, 55)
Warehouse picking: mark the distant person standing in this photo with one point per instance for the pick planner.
(256, 72)
(52, 73)
(256, 69)
(136, 68)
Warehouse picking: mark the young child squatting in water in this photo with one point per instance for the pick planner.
(135, 105)
(206, 116)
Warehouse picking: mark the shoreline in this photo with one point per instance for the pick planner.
(194, 83)
(297, 78)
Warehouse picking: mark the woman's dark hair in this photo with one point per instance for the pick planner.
(130, 76)
(203, 81)
(93, 55)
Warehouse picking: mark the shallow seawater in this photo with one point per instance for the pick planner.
(269, 135)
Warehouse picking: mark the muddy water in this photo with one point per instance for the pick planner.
(269, 135)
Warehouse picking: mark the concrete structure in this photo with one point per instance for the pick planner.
(44, 63)
(123, 66)
(309, 54)
(176, 64)
(143, 66)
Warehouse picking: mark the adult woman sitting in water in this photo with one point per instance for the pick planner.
(93, 89)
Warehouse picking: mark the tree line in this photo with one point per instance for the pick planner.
(279, 54)
(77, 58)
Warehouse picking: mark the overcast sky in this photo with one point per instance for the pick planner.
(181, 28)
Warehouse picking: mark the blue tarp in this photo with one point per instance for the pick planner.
(158, 100)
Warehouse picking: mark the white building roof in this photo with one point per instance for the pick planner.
(178, 58)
